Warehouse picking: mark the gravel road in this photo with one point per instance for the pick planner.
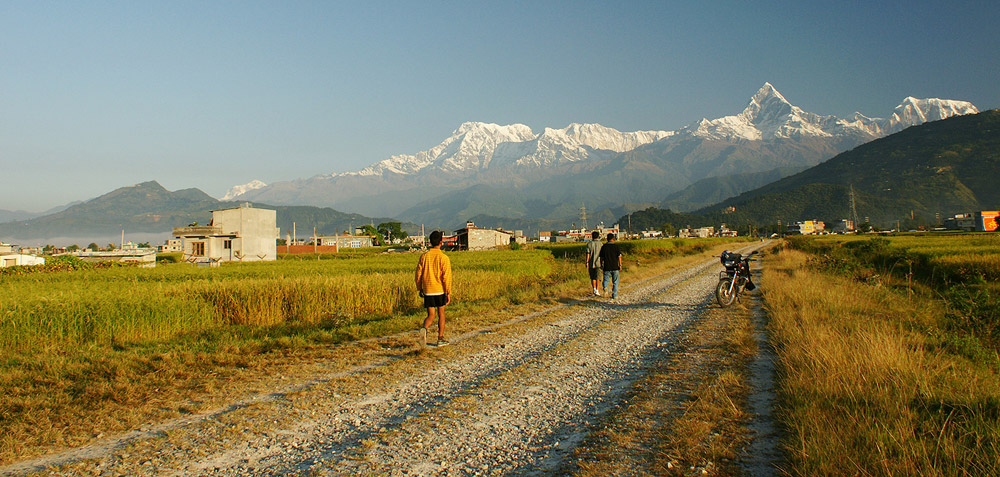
(514, 399)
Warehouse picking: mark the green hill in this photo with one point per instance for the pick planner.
(150, 208)
(712, 190)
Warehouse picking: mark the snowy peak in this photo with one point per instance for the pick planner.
(768, 105)
(769, 115)
(601, 137)
(469, 147)
(913, 111)
(239, 190)
(477, 146)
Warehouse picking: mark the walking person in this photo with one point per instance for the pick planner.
(611, 262)
(433, 278)
(594, 259)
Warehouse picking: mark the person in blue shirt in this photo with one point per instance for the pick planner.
(611, 262)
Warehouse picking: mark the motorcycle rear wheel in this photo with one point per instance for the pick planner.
(722, 293)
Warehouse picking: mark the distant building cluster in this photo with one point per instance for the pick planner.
(807, 227)
(129, 253)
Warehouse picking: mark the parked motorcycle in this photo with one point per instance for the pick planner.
(734, 279)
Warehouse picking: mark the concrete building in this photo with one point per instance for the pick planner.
(347, 241)
(171, 246)
(703, 232)
(14, 259)
(807, 227)
(475, 238)
(237, 234)
(725, 231)
(964, 222)
(987, 220)
(843, 226)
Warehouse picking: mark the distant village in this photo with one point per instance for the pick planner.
(246, 234)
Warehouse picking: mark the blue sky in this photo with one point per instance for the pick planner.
(98, 95)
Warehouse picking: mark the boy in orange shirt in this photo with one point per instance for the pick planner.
(433, 278)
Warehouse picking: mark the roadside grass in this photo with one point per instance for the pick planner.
(86, 352)
(869, 381)
(961, 269)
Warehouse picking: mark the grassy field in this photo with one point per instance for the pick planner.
(888, 361)
(87, 351)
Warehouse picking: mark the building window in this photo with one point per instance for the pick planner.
(227, 244)
(198, 249)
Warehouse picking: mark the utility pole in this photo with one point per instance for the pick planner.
(854, 209)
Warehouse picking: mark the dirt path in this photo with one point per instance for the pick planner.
(513, 399)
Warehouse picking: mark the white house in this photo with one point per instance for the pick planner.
(237, 234)
(15, 259)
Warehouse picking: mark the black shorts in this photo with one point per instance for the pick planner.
(594, 272)
(435, 301)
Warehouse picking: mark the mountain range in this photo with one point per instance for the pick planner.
(508, 176)
(926, 172)
(512, 174)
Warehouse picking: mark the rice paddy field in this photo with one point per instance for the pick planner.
(88, 350)
(132, 305)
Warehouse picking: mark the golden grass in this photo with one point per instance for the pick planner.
(866, 385)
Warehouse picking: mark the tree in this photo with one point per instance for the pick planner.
(372, 232)
(669, 230)
(48, 248)
(392, 231)
(111, 247)
(73, 248)
(93, 247)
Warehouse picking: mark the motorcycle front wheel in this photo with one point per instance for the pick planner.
(723, 294)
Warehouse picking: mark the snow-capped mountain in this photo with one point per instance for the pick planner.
(239, 190)
(770, 116)
(477, 146)
(573, 164)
